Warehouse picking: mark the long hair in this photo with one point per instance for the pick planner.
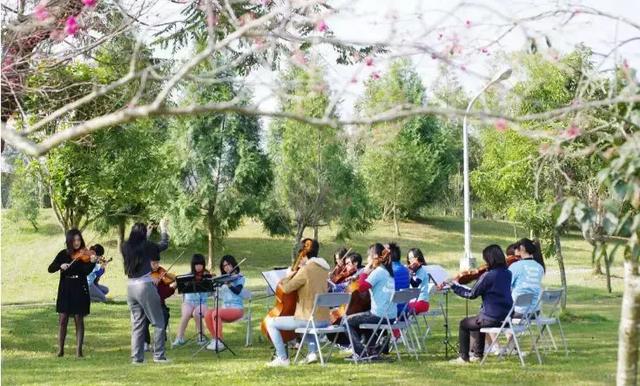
(195, 260)
(417, 253)
(382, 257)
(493, 256)
(232, 261)
(132, 248)
(313, 250)
(71, 234)
(339, 255)
(355, 258)
(511, 249)
(533, 248)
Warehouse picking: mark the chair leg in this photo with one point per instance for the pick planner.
(486, 352)
(515, 340)
(534, 346)
(319, 348)
(407, 347)
(564, 340)
(295, 361)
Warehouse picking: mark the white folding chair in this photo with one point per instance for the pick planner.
(328, 300)
(514, 327)
(401, 323)
(247, 296)
(424, 316)
(549, 305)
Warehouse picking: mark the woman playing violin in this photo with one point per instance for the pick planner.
(419, 279)
(194, 304)
(166, 285)
(74, 263)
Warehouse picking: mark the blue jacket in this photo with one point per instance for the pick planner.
(495, 289)
(401, 277)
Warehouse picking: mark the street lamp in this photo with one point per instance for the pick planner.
(468, 261)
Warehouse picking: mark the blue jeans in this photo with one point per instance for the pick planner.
(274, 325)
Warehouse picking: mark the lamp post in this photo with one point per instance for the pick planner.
(468, 261)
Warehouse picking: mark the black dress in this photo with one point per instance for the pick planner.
(73, 290)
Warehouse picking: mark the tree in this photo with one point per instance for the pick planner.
(313, 179)
(25, 193)
(222, 173)
(409, 161)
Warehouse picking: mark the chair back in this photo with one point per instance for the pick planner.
(332, 299)
(550, 300)
(246, 294)
(403, 296)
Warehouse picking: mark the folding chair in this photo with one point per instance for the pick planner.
(328, 300)
(401, 323)
(247, 296)
(549, 305)
(424, 316)
(514, 327)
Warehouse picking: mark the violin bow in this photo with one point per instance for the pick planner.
(172, 264)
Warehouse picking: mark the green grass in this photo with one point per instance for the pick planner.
(29, 327)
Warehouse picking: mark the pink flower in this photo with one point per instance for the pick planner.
(212, 19)
(501, 125)
(321, 26)
(484, 50)
(354, 79)
(572, 131)
(375, 75)
(298, 58)
(40, 12)
(467, 23)
(71, 26)
(90, 3)
(434, 56)
(625, 64)
(463, 68)
(368, 61)
(265, 2)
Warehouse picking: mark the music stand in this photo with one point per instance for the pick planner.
(187, 284)
(445, 313)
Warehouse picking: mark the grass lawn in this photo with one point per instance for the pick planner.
(29, 321)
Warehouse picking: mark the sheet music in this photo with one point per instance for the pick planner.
(273, 277)
(437, 273)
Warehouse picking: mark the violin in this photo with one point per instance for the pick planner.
(415, 266)
(83, 255)
(344, 274)
(470, 275)
(164, 276)
(198, 276)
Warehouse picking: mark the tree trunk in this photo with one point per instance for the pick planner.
(121, 229)
(607, 267)
(595, 261)
(563, 273)
(316, 230)
(628, 334)
(299, 233)
(395, 221)
(210, 244)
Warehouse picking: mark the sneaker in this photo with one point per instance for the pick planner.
(346, 351)
(311, 358)
(212, 345)
(161, 360)
(279, 362)
(474, 359)
(178, 342)
(458, 361)
(147, 348)
(202, 340)
(137, 362)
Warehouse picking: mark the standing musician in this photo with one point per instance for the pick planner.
(232, 303)
(142, 296)
(165, 283)
(309, 280)
(494, 286)
(97, 291)
(419, 279)
(194, 304)
(74, 263)
(377, 277)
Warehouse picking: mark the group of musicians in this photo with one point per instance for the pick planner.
(371, 285)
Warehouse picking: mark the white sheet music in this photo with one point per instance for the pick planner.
(437, 272)
(273, 278)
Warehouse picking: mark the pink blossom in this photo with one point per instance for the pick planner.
(375, 75)
(625, 64)
(265, 2)
(434, 56)
(299, 58)
(354, 79)
(467, 23)
(463, 67)
(572, 131)
(440, 36)
(484, 50)
(40, 12)
(501, 125)
(368, 61)
(90, 3)
(71, 26)
(321, 26)
(212, 19)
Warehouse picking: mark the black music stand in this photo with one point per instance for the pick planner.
(188, 284)
(445, 313)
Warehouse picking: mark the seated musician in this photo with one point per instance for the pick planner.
(352, 269)
(309, 280)
(419, 279)
(377, 277)
(337, 274)
(97, 291)
(494, 286)
(194, 304)
(232, 303)
(166, 288)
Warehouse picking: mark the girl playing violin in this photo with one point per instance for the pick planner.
(74, 263)
(377, 277)
(419, 279)
(494, 286)
(194, 304)
(97, 291)
(232, 301)
(166, 285)
(351, 270)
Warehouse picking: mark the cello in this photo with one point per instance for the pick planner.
(285, 304)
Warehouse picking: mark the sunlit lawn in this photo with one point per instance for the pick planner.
(29, 328)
